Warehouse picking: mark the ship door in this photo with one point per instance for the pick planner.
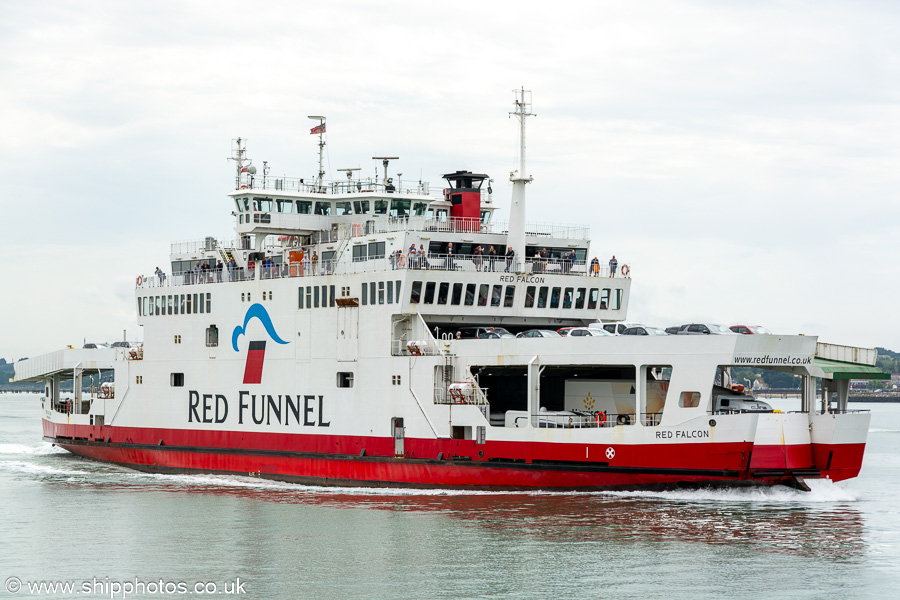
(398, 432)
(347, 333)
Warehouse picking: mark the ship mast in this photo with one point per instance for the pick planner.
(516, 235)
(320, 129)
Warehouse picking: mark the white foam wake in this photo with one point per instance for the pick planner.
(31, 450)
(822, 492)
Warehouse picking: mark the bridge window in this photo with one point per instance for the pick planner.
(343, 208)
(416, 292)
(381, 207)
(419, 208)
(592, 300)
(304, 207)
(443, 291)
(323, 208)
(400, 208)
(429, 292)
(616, 302)
(361, 207)
(604, 298)
(285, 206)
(263, 204)
(579, 298)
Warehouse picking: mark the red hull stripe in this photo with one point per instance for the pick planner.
(371, 461)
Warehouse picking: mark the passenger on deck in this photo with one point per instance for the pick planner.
(595, 267)
(613, 263)
(510, 255)
(492, 256)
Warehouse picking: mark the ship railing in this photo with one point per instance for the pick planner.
(461, 392)
(578, 419)
(343, 186)
(461, 225)
(415, 348)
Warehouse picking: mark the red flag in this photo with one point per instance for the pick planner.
(318, 129)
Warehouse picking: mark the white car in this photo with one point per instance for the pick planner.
(586, 331)
(536, 333)
(615, 328)
(644, 330)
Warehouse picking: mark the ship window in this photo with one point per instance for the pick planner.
(510, 296)
(400, 208)
(365, 292)
(416, 292)
(300, 297)
(323, 208)
(308, 296)
(689, 399)
(343, 208)
(144, 306)
(344, 380)
(201, 303)
(361, 207)
(359, 253)
(316, 296)
(429, 293)
(604, 299)
(176, 379)
(169, 304)
(496, 292)
(579, 297)
(592, 300)
(181, 302)
(529, 296)
(189, 305)
(324, 296)
(419, 209)
(567, 297)
(483, 294)
(381, 207)
(196, 307)
(443, 292)
(542, 297)
(616, 302)
(263, 204)
(159, 305)
(457, 294)
(554, 298)
(380, 292)
(212, 336)
(470, 294)
(376, 250)
(304, 207)
(237, 203)
(390, 292)
(330, 296)
(285, 206)
(372, 293)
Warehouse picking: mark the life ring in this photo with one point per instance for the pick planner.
(401, 261)
(625, 270)
(600, 418)
(140, 280)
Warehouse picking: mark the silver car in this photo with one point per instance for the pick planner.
(704, 329)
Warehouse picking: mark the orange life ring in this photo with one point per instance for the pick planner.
(601, 418)
(140, 280)
(625, 270)
(401, 261)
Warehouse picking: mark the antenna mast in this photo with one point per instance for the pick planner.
(320, 129)
(241, 162)
(516, 236)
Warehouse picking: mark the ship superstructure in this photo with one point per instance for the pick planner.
(350, 334)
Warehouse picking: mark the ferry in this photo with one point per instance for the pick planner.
(358, 332)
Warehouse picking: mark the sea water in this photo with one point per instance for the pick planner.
(111, 532)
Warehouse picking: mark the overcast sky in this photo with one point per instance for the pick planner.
(741, 157)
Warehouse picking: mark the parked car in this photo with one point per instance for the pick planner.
(673, 330)
(124, 345)
(750, 330)
(615, 328)
(537, 333)
(644, 330)
(475, 333)
(495, 335)
(704, 329)
(586, 331)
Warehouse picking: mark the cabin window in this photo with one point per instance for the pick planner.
(372, 292)
(579, 298)
(470, 294)
(397, 290)
(209, 302)
(376, 250)
(345, 380)
(212, 336)
(554, 298)
(567, 297)
(655, 392)
(496, 293)
(365, 294)
(330, 296)
(443, 292)
(304, 207)
(400, 208)
(285, 206)
(308, 296)
(429, 292)
(483, 290)
(359, 253)
(529, 296)
(616, 301)
(181, 301)
(169, 304)
(381, 207)
(380, 292)
(300, 297)
(343, 208)
(510, 296)
(457, 294)
(361, 207)
(419, 209)
(592, 299)
(604, 299)
(542, 297)
(390, 292)
(416, 292)
(316, 296)
(176, 379)
(323, 208)
(689, 400)
(324, 296)
(144, 307)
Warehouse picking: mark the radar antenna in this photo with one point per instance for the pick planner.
(350, 176)
(319, 129)
(384, 161)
